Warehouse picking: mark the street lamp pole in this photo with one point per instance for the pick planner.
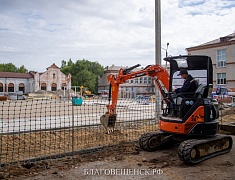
(157, 52)
(158, 32)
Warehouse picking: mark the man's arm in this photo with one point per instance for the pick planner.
(186, 86)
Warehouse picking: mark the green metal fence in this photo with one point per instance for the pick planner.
(32, 130)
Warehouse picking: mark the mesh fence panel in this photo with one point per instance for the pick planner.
(33, 130)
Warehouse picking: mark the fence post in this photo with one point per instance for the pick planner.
(72, 125)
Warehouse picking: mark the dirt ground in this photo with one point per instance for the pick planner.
(127, 161)
(23, 146)
(227, 116)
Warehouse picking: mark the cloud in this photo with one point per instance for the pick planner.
(183, 3)
(38, 33)
(184, 29)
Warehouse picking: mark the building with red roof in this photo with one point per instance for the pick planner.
(51, 80)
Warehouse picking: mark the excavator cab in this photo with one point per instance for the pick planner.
(193, 112)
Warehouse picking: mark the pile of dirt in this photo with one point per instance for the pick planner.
(63, 93)
(42, 94)
(3, 98)
(227, 115)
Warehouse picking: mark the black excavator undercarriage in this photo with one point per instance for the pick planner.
(192, 149)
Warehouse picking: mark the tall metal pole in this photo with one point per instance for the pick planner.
(157, 51)
(158, 32)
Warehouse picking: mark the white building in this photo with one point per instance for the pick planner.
(222, 53)
(138, 86)
(51, 80)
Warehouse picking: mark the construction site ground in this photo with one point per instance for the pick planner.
(128, 161)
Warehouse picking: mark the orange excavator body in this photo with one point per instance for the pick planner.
(196, 114)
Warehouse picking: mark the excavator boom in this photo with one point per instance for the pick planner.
(157, 72)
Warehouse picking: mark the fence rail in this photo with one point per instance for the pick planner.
(33, 130)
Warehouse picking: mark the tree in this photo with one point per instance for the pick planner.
(70, 62)
(84, 73)
(63, 63)
(22, 69)
(9, 67)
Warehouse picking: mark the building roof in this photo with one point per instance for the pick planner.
(217, 42)
(230, 37)
(53, 66)
(114, 68)
(15, 75)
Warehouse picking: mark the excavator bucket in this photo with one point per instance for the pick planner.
(108, 121)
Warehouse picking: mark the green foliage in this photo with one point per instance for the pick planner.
(84, 73)
(22, 69)
(9, 67)
(63, 63)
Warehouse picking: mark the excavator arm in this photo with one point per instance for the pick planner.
(159, 74)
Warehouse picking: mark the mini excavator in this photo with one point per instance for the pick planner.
(194, 124)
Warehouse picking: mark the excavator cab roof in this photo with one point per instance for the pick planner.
(199, 66)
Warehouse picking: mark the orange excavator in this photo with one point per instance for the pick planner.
(195, 121)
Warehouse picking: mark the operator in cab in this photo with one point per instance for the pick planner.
(190, 84)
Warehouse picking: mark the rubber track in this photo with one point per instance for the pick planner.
(184, 150)
(144, 140)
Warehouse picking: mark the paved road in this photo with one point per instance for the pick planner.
(88, 114)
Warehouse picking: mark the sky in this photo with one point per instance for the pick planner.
(38, 33)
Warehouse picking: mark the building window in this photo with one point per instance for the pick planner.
(53, 75)
(149, 80)
(44, 86)
(11, 87)
(21, 87)
(136, 80)
(1, 87)
(132, 81)
(221, 78)
(141, 80)
(145, 80)
(53, 87)
(221, 58)
(64, 86)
